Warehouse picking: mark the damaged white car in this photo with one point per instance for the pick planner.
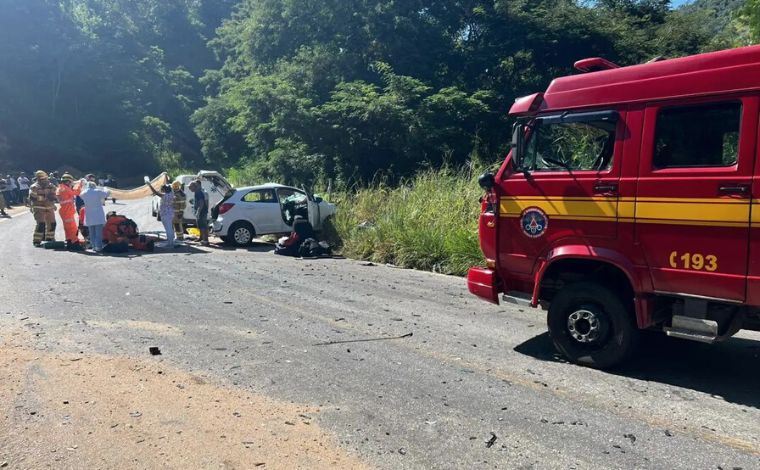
(269, 209)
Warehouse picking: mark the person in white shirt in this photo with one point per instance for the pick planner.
(8, 190)
(166, 210)
(94, 215)
(23, 187)
(14, 189)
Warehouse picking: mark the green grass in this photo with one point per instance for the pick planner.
(429, 222)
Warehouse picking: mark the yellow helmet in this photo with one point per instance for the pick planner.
(67, 177)
(40, 175)
(176, 186)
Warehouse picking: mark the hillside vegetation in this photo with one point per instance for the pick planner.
(305, 91)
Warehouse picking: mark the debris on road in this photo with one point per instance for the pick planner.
(408, 335)
(154, 351)
(491, 441)
(370, 264)
(631, 437)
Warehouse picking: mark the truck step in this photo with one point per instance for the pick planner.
(694, 329)
(518, 298)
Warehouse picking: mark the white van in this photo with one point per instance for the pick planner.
(213, 183)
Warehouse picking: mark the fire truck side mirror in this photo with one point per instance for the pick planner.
(487, 181)
(518, 145)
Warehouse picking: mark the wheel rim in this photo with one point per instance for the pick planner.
(588, 326)
(242, 235)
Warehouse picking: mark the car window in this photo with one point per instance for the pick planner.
(289, 195)
(697, 136)
(571, 146)
(261, 195)
(293, 203)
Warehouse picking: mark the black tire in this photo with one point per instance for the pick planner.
(241, 233)
(602, 332)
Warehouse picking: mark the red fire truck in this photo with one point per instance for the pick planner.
(631, 200)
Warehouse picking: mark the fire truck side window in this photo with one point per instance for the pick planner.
(571, 146)
(697, 136)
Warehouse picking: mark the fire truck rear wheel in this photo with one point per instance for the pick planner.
(592, 326)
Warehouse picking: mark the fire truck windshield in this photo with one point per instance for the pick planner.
(557, 145)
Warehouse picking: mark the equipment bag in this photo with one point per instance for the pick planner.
(311, 248)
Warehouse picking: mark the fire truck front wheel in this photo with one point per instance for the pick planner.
(591, 325)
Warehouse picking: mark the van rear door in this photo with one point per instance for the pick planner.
(566, 187)
(694, 195)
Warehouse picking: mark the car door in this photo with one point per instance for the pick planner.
(315, 216)
(260, 207)
(292, 202)
(694, 194)
(566, 188)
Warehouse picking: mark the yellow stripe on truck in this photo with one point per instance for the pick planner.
(676, 211)
(588, 207)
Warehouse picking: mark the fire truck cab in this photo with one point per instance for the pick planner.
(631, 200)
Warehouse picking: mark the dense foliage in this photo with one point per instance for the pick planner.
(103, 84)
(402, 225)
(304, 91)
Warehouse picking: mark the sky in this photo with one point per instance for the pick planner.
(678, 3)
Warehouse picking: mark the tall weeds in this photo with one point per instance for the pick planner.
(428, 222)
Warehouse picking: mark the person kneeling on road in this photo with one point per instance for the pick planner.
(121, 233)
(302, 241)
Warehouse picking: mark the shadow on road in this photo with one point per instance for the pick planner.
(132, 253)
(727, 370)
(255, 247)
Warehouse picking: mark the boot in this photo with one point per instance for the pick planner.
(74, 246)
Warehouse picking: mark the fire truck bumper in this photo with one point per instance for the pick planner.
(484, 283)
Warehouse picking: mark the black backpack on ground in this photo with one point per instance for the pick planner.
(311, 248)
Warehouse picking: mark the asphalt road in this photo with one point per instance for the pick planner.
(256, 322)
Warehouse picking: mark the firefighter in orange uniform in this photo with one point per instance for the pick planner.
(42, 199)
(67, 193)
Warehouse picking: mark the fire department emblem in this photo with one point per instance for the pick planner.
(534, 222)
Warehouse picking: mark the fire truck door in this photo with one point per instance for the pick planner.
(692, 207)
(565, 187)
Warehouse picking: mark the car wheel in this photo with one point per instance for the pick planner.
(241, 233)
(592, 326)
